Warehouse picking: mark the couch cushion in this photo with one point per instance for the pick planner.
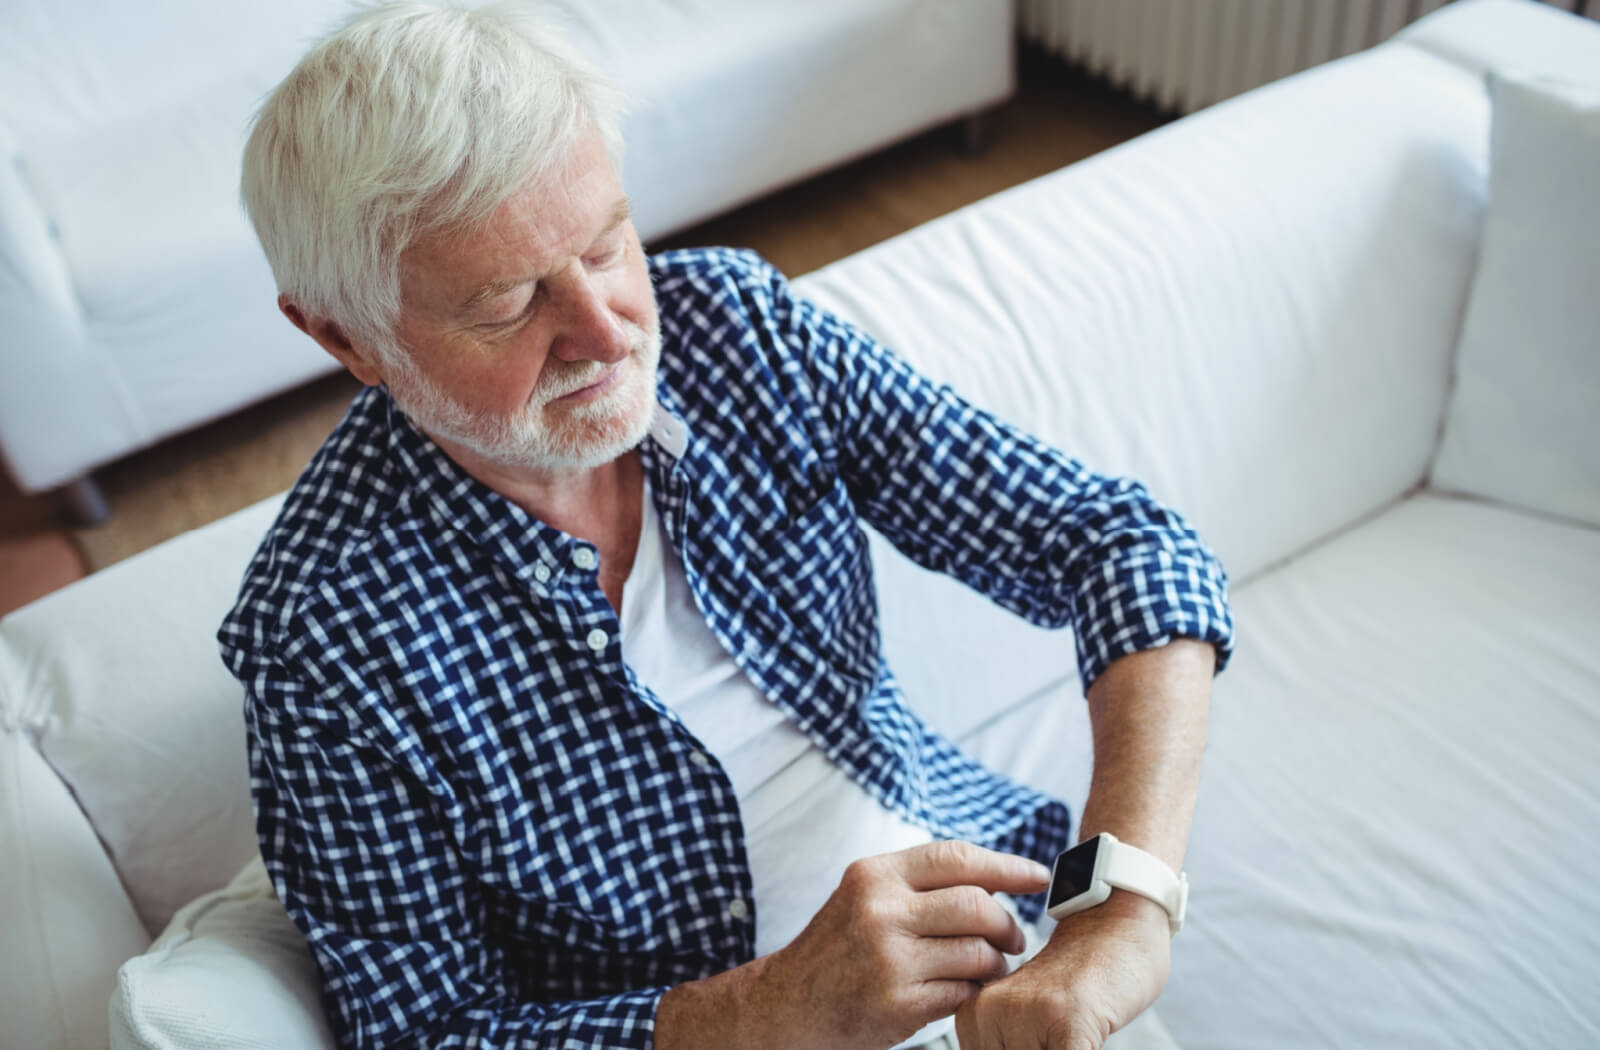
(230, 972)
(118, 683)
(1524, 424)
(1252, 309)
(1395, 837)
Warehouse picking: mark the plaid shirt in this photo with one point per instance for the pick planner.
(490, 831)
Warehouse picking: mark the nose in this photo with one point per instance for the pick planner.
(589, 329)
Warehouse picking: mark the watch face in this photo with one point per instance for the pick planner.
(1074, 872)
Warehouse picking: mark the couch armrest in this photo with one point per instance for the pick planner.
(1508, 36)
(68, 924)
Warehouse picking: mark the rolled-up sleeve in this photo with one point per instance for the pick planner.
(964, 493)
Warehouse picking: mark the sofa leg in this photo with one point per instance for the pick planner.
(974, 132)
(85, 501)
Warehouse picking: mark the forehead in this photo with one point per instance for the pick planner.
(534, 232)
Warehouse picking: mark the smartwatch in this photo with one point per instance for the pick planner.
(1086, 874)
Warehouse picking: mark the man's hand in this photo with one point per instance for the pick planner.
(905, 939)
(1101, 969)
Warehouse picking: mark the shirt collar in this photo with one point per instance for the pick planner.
(442, 489)
(669, 431)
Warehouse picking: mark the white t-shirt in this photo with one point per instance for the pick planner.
(805, 820)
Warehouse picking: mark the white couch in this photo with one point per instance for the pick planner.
(1270, 311)
(137, 301)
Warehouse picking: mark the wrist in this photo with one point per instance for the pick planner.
(1085, 877)
(734, 1008)
(1125, 904)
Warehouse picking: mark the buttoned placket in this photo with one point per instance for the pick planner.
(585, 562)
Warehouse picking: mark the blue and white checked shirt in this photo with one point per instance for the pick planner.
(492, 834)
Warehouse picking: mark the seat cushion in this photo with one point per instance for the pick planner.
(1395, 838)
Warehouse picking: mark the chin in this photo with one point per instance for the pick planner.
(541, 439)
(576, 439)
(598, 433)
(587, 449)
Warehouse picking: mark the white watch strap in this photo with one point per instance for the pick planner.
(1131, 868)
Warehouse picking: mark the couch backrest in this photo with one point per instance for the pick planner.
(1253, 310)
(68, 67)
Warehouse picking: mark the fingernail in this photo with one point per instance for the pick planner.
(1039, 870)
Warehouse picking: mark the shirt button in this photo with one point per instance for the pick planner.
(541, 572)
(738, 908)
(597, 639)
(700, 759)
(583, 558)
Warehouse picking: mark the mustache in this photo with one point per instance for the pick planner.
(570, 378)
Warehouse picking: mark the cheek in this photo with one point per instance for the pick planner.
(498, 376)
(484, 375)
(638, 299)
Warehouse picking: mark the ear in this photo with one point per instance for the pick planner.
(361, 362)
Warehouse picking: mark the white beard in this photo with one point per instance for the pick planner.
(587, 436)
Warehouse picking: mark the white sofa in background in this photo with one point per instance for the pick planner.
(137, 301)
(1271, 311)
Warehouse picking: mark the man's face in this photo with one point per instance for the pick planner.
(533, 341)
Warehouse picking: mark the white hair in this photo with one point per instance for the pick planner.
(411, 119)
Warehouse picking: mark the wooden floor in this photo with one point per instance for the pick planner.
(1057, 117)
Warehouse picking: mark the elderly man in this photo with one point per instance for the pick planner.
(568, 723)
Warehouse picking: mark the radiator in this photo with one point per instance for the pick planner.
(1183, 55)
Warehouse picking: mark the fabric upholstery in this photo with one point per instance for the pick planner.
(1393, 843)
(1413, 726)
(1480, 36)
(230, 972)
(1532, 335)
(1289, 361)
(128, 702)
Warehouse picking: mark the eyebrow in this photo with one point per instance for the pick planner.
(619, 215)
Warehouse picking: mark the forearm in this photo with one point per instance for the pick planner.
(1105, 965)
(1148, 711)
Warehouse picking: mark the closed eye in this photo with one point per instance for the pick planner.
(605, 257)
(511, 322)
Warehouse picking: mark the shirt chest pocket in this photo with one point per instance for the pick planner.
(818, 573)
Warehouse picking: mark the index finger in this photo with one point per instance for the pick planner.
(938, 865)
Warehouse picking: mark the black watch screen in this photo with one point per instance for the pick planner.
(1074, 872)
